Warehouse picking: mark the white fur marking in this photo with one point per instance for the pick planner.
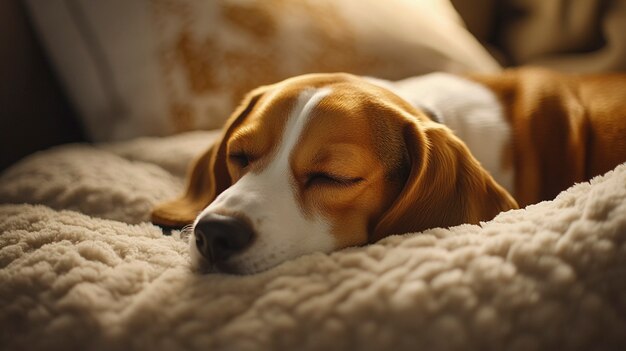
(268, 200)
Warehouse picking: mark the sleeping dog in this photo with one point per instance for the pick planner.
(321, 162)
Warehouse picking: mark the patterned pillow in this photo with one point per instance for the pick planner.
(157, 67)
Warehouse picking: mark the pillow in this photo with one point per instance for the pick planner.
(164, 66)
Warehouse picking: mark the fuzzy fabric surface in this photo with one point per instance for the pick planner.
(81, 269)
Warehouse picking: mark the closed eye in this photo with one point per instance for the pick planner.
(322, 178)
(240, 159)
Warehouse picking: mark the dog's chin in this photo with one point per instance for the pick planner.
(203, 266)
(231, 268)
(237, 265)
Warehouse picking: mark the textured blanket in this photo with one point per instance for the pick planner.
(83, 270)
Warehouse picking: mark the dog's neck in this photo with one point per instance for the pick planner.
(471, 110)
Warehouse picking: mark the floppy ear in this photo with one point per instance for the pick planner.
(446, 185)
(207, 176)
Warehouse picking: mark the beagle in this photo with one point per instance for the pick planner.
(325, 161)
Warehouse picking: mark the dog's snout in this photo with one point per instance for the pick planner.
(218, 237)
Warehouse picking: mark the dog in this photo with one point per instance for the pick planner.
(321, 162)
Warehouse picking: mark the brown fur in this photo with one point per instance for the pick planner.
(566, 128)
(416, 173)
(208, 175)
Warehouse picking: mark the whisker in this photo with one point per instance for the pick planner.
(186, 231)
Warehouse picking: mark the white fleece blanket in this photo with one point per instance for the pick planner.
(84, 271)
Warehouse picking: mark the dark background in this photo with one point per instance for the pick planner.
(34, 113)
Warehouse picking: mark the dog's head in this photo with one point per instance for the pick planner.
(322, 162)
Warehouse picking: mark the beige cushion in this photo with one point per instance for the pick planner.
(159, 67)
(551, 276)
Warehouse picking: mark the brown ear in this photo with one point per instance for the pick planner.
(207, 176)
(446, 185)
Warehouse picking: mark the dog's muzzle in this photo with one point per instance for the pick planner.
(219, 237)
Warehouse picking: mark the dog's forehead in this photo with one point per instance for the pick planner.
(347, 96)
(343, 88)
(349, 111)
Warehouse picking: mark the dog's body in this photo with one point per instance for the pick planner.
(325, 161)
(536, 131)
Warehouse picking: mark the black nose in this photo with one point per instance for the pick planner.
(219, 237)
